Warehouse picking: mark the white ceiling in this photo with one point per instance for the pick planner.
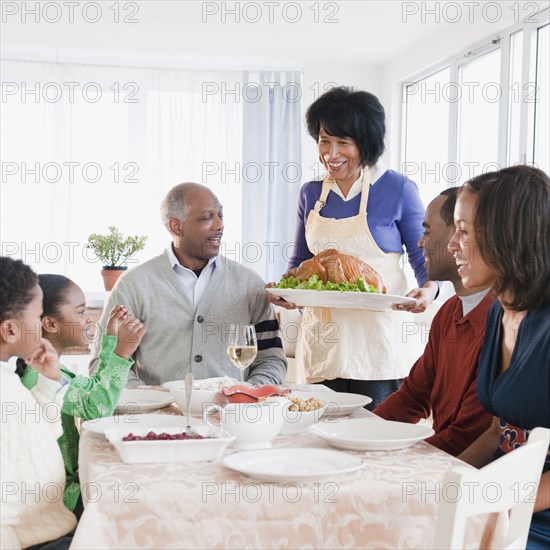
(362, 32)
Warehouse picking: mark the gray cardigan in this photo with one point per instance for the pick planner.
(181, 336)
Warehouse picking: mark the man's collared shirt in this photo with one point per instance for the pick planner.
(193, 286)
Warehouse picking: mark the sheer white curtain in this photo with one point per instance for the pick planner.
(84, 147)
(272, 172)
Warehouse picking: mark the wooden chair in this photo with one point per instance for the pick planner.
(510, 483)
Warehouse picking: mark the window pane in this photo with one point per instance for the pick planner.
(542, 114)
(427, 134)
(514, 104)
(478, 118)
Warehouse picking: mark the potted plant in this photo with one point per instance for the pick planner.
(113, 251)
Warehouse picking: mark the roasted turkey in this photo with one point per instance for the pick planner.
(331, 265)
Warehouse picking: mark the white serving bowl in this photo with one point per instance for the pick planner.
(199, 398)
(298, 421)
(255, 425)
(185, 450)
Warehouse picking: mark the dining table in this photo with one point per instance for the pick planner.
(391, 501)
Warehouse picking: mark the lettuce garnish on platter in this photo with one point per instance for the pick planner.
(313, 283)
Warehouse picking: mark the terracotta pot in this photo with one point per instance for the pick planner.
(111, 274)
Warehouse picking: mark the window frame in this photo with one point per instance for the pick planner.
(500, 41)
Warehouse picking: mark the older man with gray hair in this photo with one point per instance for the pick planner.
(190, 295)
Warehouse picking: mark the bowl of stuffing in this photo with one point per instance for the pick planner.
(301, 414)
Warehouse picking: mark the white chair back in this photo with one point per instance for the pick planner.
(508, 483)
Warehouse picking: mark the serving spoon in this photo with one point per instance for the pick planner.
(188, 391)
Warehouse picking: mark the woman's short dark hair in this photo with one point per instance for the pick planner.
(17, 281)
(55, 288)
(512, 224)
(359, 115)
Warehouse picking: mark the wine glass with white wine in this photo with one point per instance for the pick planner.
(242, 346)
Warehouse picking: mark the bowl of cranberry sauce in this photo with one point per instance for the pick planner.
(155, 445)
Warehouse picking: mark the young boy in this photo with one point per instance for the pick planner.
(32, 475)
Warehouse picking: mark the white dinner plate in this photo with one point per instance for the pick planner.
(138, 400)
(292, 464)
(340, 300)
(370, 434)
(337, 403)
(135, 421)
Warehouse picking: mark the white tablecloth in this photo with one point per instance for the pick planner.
(391, 502)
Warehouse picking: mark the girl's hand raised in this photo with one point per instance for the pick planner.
(130, 333)
(116, 316)
(45, 360)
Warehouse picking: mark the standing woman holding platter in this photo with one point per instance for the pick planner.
(364, 210)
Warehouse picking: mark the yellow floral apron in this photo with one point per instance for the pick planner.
(349, 343)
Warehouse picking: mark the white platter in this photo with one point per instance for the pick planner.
(370, 434)
(138, 400)
(153, 452)
(339, 300)
(292, 464)
(337, 403)
(137, 421)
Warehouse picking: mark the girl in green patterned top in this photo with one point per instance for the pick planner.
(64, 323)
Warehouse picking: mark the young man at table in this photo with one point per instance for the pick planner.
(190, 295)
(443, 380)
